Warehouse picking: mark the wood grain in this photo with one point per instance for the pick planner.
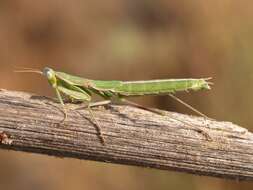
(133, 136)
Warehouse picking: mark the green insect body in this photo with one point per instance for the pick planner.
(81, 89)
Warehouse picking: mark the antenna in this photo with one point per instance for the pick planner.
(28, 70)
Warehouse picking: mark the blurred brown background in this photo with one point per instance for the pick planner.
(127, 40)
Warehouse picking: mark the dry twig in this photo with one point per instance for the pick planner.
(133, 137)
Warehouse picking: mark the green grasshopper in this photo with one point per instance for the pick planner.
(81, 89)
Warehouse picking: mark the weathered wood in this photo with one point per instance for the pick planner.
(133, 137)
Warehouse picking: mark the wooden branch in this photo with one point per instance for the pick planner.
(132, 136)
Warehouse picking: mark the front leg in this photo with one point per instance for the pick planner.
(59, 97)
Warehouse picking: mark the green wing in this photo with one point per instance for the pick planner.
(107, 85)
(134, 88)
(155, 87)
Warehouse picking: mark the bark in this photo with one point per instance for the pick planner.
(132, 136)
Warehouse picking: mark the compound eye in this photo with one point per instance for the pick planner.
(49, 74)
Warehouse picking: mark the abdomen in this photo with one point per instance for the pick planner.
(155, 87)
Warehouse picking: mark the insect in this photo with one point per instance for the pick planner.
(82, 89)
